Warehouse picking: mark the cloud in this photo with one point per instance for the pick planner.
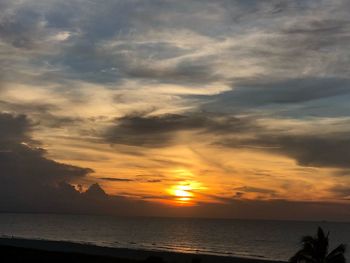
(143, 180)
(25, 170)
(320, 28)
(42, 112)
(253, 94)
(186, 72)
(95, 192)
(341, 191)
(20, 33)
(316, 150)
(160, 131)
(308, 146)
(14, 129)
(114, 179)
(154, 181)
(31, 182)
(21, 160)
(250, 189)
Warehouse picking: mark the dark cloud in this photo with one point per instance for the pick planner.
(143, 180)
(341, 191)
(330, 150)
(85, 60)
(310, 39)
(21, 33)
(64, 198)
(318, 27)
(26, 107)
(31, 182)
(158, 131)
(114, 179)
(295, 90)
(42, 112)
(90, 61)
(154, 181)
(188, 72)
(253, 94)
(14, 129)
(309, 149)
(154, 131)
(95, 192)
(318, 33)
(25, 171)
(250, 189)
(20, 160)
(27, 25)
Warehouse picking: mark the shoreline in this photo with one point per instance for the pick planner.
(136, 255)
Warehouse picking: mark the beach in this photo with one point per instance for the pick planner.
(24, 250)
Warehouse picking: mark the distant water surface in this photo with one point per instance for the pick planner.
(276, 240)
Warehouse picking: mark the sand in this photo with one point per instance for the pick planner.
(25, 250)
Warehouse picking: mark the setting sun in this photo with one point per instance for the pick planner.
(184, 192)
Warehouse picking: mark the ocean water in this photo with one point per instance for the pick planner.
(276, 240)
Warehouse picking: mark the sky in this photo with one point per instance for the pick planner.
(233, 109)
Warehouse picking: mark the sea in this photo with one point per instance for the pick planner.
(262, 239)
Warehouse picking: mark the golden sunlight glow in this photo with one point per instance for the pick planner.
(184, 193)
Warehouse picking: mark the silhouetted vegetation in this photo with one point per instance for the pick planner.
(315, 250)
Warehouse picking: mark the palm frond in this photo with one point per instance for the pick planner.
(315, 250)
(300, 256)
(338, 258)
(308, 240)
(336, 253)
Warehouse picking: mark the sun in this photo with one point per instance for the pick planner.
(184, 192)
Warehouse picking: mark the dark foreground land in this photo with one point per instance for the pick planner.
(37, 251)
